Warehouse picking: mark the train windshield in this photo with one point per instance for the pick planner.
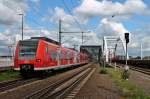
(27, 49)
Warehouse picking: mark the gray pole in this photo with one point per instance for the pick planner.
(22, 25)
(126, 54)
(82, 38)
(60, 32)
(141, 51)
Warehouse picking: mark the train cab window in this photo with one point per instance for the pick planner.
(27, 49)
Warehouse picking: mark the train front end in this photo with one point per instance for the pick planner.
(25, 57)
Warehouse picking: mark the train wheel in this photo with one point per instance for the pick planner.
(53, 72)
(27, 71)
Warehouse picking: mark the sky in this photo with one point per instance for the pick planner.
(97, 18)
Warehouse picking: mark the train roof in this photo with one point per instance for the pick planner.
(73, 49)
(35, 39)
(45, 39)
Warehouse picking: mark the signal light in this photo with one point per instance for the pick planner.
(127, 37)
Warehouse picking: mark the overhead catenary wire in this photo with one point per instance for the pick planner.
(67, 40)
(66, 6)
(72, 3)
(35, 11)
(34, 21)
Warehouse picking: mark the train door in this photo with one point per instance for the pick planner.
(64, 57)
(68, 57)
(46, 55)
(59, 56)
(53, 56)
(75, 57)
(78, 57)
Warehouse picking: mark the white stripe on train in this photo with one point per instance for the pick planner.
(54, 67)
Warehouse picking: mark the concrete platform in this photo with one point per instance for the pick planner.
(6, 64)
(99, 86)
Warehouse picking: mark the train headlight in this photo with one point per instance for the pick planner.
(25, 67)
(38, 60)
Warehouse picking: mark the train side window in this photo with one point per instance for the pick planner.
(61, 55)
(46, 49)
(68, 55)
(58, 53)
(64, 56)
(53, 55)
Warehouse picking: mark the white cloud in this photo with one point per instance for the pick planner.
(108, 27)
(58, 13)
(10, 21)
(54, 15)
(135, 7)
(91, 39)
(134, 45)
(92, 8)
(140, 37)
(8, 10)
(147, 50)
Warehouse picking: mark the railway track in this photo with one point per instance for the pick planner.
(142, 70)
(5, 68)
(14, 83)
(64, 87)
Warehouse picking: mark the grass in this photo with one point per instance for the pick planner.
(129, 90)
(9, 75)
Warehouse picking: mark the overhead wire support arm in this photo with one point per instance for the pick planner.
(74, 33)
(69, 32)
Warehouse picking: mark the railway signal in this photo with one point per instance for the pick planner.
(125, 73)
(127, 37)
(127, 41)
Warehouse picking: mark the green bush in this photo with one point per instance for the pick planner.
(125, 75)
(103, 71)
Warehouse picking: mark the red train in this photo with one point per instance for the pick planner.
(42, 54)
